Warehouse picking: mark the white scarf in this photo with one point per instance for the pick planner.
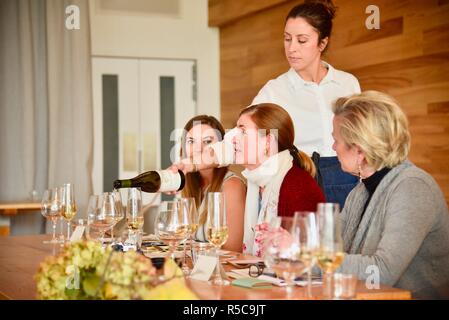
(269, 175)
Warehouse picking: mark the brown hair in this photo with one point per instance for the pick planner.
(318, 14)
(192, 186)
(271, 116)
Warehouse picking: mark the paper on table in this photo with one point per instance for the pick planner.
(77, 234)
(204, 267)
(245, 273)
(241, 273)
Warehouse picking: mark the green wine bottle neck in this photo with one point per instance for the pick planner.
(127, 183)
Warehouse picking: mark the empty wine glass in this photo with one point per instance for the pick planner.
(217, 229)
(306, 229)
(171, 225)
(330, 253)
(51, 209)
(282, 252)
(68, 210)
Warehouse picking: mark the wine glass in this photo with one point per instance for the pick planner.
(171, 225)
(92, 232)
(306, 228)
(119, 214)
(282, 252)
(134, 213)
(188, 206)
(330, 253)
(102, 213)
(217, 229)
(68, 210)
(51, 209)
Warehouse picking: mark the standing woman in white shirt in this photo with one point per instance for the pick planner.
(308, 90)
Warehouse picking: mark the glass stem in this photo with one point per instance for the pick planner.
(289, 289)
(68, 230)
(327, 285)
(53, 239)
(184, 259)
(217, 267)
(172, 248)
(309, 283)
(61, 229)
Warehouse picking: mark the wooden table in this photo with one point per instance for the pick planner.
(20, 257)
(14, 208)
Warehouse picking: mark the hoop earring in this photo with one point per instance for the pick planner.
(360, 173)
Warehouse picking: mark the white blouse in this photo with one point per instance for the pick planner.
(310, 105)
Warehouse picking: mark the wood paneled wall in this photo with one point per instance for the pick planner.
(408, 57)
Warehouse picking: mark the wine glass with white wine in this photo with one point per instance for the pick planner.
(306, 230)
(188, 206)
(282, 251)
(102, 213)
(330, 253)
(217, 229)
(51, 209)
(134, 213)
(171, 225)
(68, 210)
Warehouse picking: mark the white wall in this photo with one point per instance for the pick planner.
(129, 34)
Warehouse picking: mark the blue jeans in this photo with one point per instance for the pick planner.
(337, 183)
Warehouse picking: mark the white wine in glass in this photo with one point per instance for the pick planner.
(68, 210)
(51, 209)
(102, 213)
(188, 207)
(217, 236)
(217, 229)
(282, 251)
(171, 225)
(306, 229)
(330, 253)
(134, 213)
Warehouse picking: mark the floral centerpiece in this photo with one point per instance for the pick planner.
(86, 270)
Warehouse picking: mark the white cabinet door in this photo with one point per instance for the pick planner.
(137, 105)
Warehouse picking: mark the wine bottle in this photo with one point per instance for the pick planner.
(154, 181)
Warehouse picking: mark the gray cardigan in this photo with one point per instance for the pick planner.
(404, 232)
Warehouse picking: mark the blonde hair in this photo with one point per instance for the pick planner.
(374, 121)
(270, 115)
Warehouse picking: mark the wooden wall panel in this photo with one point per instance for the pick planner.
(408, 57)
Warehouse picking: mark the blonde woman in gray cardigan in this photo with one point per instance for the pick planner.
(395, 222)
